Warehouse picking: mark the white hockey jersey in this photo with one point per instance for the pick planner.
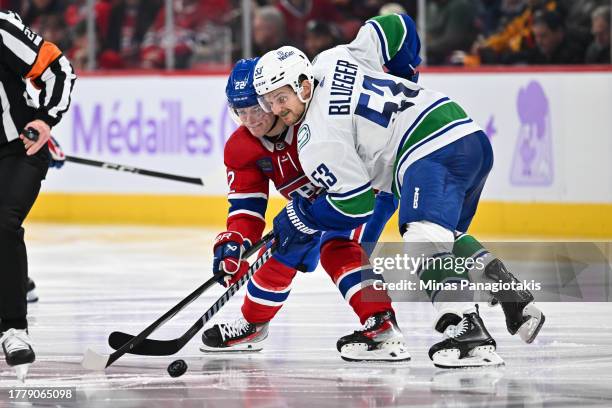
(364, 127)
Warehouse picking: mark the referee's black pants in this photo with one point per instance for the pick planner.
(20, 178)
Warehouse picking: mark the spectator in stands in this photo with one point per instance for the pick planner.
(598, 51)
(579, 12)
(268, 30)
(320, 36)
(514, 38)
(554, 45)
(129, 21)
(14, 5)
(451, 26)
(77, 12)
(495, 14)
(190, 17)
(34, 10)
(78, 52)
(298, 12)
(53, 28)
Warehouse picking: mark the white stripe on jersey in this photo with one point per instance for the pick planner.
(247, 212)
(17, 47)
(264, 302)
(64, 101)
(258, 286)
(237, 196)
(49, 84)
(355, 193)
(345, 274)
(10, 130)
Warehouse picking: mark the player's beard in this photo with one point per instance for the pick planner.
(291, 118)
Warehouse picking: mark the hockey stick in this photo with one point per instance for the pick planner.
(32, 134)
(134, 170)
(95, 361)
(152, 347)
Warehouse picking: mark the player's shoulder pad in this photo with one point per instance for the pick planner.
(242, 149)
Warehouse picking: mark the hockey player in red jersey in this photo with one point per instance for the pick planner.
(264, 149)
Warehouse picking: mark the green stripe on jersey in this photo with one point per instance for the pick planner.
(435, 120)
(394, 30)
(357, 206)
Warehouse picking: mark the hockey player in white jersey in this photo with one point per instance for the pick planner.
(364, 130)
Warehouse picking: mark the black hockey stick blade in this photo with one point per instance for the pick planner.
(152, 347)
(97, 361)
(134, 170)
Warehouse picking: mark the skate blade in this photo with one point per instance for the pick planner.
(483, 356)
(530, 329)
(393, 352)
(22, 371)
(249, 348)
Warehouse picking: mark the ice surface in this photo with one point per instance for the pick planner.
(94, 280)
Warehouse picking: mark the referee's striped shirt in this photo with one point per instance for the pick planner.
(25, 55)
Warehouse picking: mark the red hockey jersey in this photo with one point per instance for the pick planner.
(251, 163)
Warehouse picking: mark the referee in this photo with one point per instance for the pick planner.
(24, 56)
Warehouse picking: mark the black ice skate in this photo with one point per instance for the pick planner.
(469, 344)
(522, 315)
(379, 340)
(31, 296)
(18, 352)
(238, 335)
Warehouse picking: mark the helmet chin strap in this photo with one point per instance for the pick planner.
(306, 101)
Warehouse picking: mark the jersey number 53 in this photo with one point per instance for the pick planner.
(393, 103)
(324, 176)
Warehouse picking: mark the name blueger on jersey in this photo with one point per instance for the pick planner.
(341, 88)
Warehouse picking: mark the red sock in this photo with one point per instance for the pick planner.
(267, 291)
(347, 264)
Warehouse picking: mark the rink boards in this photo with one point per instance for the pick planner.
(550, 131)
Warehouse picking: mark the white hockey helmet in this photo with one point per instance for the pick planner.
(284, 66)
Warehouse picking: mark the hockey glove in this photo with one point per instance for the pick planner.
(296, 235)
(57, 156)
(228, 249)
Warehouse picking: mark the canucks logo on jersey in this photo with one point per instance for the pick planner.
(303, 136)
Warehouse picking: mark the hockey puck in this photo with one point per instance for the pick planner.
(31, 134)
(177, 368)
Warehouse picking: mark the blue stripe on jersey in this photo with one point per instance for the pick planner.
(382, 39)
(349, 281)
(254, 204)
(354, 279)
(417, 121)
(278, 297)
(422, 142)
(351, 192)
(329, 218)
